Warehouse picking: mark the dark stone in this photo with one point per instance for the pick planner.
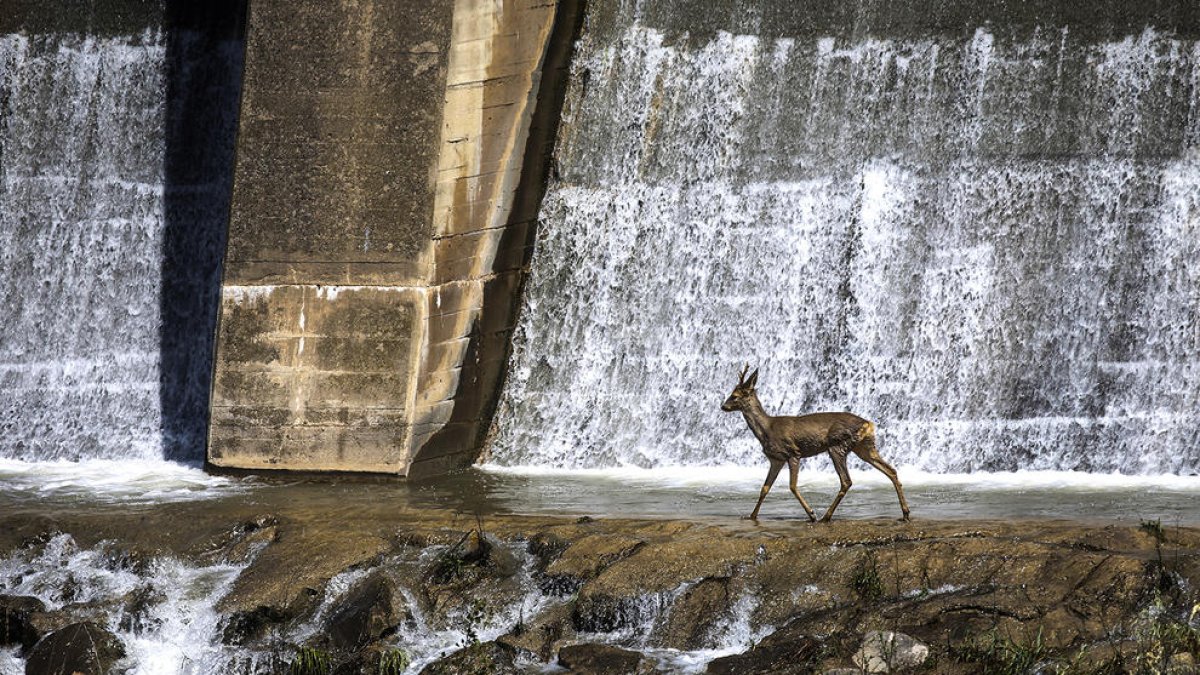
(492, 554)
(366, 612)
(604, 613)
(598, 659)
(78, 648)
(122, 559)
(484, 658)
(245, 627)
(692, 616)
(135, 615)
(475, 556)
(779, 654)
(15, 625)
(546, 547)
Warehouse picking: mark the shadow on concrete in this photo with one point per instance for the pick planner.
(205, 50)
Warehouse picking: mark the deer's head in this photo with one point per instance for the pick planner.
(742, 393)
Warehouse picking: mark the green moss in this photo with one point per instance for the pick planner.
(393, 662)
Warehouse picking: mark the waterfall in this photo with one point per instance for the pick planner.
(983, 240)
(115, 149)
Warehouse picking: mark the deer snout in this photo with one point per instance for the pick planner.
(727, 406)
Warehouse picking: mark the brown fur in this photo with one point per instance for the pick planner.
(787, 440)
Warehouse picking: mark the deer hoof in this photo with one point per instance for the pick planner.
(905, 518)
(826, 519)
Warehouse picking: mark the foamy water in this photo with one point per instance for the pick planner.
(100, 480)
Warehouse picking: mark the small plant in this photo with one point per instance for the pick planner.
(1160, 637)
(1155, 529)
(311, 661)
(1003, 656)
(472, 616)
(865, 581)
(393, 662)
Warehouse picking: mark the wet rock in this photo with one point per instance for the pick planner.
(693, 615)
(78, 648)
(542, 634)
(367, 612)
(546, 547)
(50, 621)
(843, 671)
(374, 659)
(1181, 663)
(136, 612)
(598, 659)
(119, 558)
(242, 628)
(494, 555)
(584, 559)
(477, 555)
(887, 651)
(484, 658)
(600, 613)
(782, 653)
(15, 625)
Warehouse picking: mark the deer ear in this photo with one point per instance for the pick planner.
(753, 379)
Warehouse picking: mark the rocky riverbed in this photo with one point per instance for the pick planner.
(257, 584)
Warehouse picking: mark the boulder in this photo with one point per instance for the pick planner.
(242, 628)
(16, 627)
(365, 613)
(780, 653)
(692, 617)
(78, 648)
(477, 556)
(1181, 663)
(137, 610)
(886, 651)
(481, 658)
(543, 633)
(598, 659)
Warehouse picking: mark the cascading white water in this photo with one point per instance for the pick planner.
(987, 243)
(80, 243)
(176, 629)
(113, 194)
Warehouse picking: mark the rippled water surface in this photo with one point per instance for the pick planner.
(673, 492)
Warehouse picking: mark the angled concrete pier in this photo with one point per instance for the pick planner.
(390, 160)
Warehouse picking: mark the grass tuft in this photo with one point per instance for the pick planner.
(865, 581)
(311, 661)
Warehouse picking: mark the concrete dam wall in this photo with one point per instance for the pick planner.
(300, 235)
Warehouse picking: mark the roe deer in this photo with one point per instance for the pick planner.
(787, 440)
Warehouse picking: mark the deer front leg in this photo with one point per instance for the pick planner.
(772, 474)
(794, 470)
(839, 464)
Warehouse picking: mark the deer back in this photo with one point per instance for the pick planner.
(809, 435)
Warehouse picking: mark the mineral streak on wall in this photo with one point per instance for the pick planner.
(374, 244)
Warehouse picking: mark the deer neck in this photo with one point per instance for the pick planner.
(757, 418)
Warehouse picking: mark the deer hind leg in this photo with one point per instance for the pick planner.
(838, 455)
(794, 471)
(866, 450)
(772, 474)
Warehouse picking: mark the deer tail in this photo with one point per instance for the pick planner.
(866, 431)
